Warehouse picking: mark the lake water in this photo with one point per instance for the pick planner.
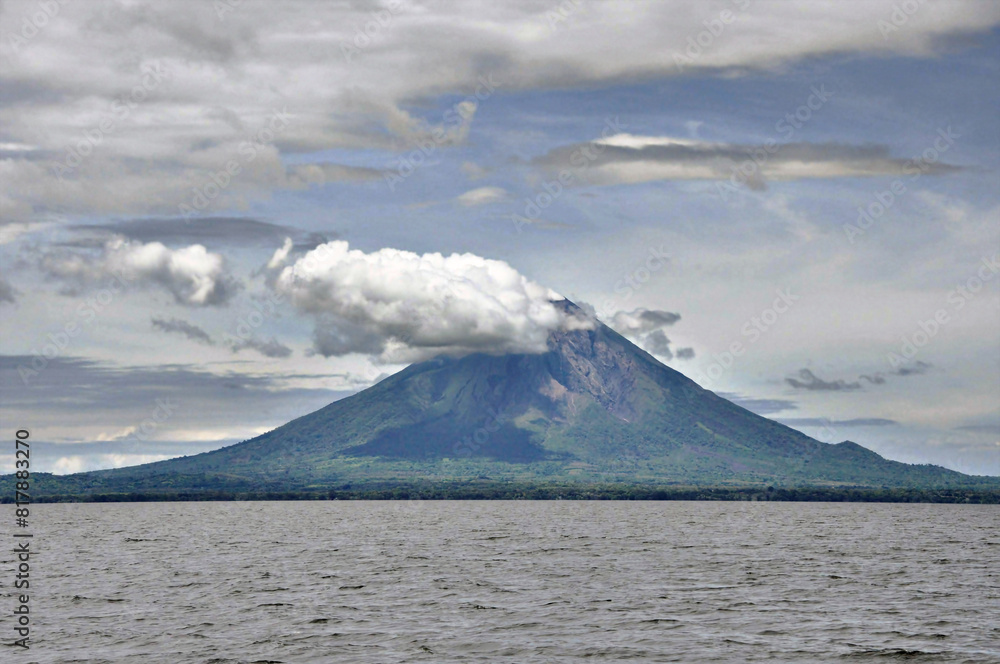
(561, 581)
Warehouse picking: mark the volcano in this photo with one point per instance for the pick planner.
(592, 408)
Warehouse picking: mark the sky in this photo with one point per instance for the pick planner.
(217, 217)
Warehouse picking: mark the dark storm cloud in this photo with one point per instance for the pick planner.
(189, 330)
(657, 343)
(807, 380)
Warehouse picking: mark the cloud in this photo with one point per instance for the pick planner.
(807, 380)
(81, 457)
(269, 348)
(401, 304)
(874, 379)
(8, 293)
(306, 175)
(824, 422)
(12, 230)
(207, 231)
(543, 224)
(89, 407)
(280, 255)
(78, 463)
(630, 159)
(645, 327)
(640, 321)
(759, 406)
(189, 330)
(192, 274)
(657, 343)
(482, 196)
(474, 171)
(225, 78)
(685, 353)
(916, 369)
(993, 429)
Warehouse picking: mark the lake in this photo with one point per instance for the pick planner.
(507, 581)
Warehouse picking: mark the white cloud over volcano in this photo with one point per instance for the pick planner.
(407, 306)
